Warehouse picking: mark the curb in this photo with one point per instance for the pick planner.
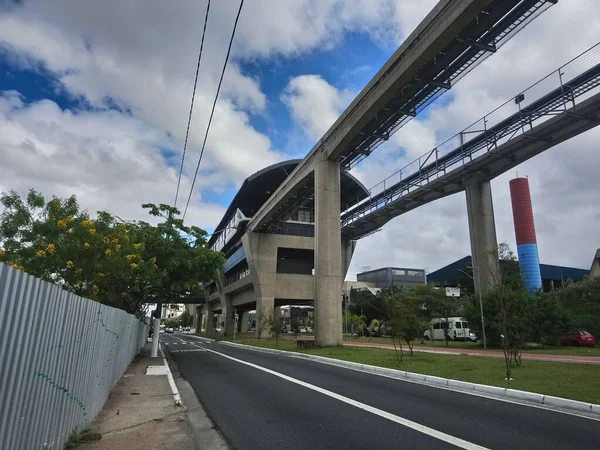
(176, 396)
(430, 380)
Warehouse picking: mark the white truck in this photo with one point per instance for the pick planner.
(451, 328)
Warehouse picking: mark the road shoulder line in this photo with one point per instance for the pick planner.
(556, 404)
(176, 396)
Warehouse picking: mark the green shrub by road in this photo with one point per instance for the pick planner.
(568, 380)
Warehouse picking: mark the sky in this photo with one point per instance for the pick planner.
(95, 96)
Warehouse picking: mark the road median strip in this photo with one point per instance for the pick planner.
(531, 398)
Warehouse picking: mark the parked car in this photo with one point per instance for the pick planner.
(169, 330)
(579, 337)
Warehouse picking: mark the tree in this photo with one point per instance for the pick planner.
(121, 264)
(358, 322)
(274, 324)
(181, 255)
(262, 322)
(388, 303)
(295, 324)
(364, 303)
(433, 303)
(186, 318)
(581, 302)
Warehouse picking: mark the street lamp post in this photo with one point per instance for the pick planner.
(480, 301)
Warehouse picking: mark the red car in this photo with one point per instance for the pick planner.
(579, 337)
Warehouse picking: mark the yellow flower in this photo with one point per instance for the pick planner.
(70, 219)
(17, 266)
(107, 252)
(101, 275)
(133, 265)
(62, 224)
(92, 231)
(95, 290)
(2, 253)
(118, 247)
(106, 240)
(129, 257)
(137, 246)
(85, 223)
(69, 263)
(50, 249)
(86, 245)
(123, 294)
(41, 253)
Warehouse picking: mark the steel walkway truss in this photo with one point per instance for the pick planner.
(553, 95)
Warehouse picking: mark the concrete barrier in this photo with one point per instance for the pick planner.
(565, 403)
(494, 390)
(524, 395)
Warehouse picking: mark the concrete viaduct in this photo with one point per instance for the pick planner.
(293, 245)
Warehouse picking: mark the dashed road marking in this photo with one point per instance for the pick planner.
(185, 350)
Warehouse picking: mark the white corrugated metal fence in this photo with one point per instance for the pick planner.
(60, 356)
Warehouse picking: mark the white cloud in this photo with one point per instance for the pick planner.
(109, 160)
(143, 57)
(562, 179)
(314, 104)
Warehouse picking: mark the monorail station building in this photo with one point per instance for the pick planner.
(265, 271)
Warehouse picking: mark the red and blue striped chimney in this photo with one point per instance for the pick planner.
(527, 249)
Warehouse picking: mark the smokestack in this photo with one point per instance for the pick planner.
(527, 250)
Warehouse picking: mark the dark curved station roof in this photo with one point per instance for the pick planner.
(258, 187)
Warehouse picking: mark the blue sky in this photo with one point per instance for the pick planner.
(295, 66)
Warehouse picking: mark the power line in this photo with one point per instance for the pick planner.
(187, 132)
(213, 107)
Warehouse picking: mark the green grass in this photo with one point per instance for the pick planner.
(548, 350)
(84, 436)
(574, 381)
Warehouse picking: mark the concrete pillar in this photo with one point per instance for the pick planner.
(210, 324)
(264, 308)
(328, 253)
(347, 252)
(482, 229)
(228, 316)
(245, 317)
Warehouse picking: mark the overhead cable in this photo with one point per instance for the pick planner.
(213, 107)
(187, 131)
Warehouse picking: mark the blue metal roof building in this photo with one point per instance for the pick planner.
(552, 276)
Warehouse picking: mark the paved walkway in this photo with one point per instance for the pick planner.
(141, 413)
(485, 353)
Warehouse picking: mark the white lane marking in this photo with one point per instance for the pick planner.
(182, 341)
(176, 396)
(461, 443)
(332, 362)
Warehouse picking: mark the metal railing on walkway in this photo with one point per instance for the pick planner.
(60, 357)
(550, 96)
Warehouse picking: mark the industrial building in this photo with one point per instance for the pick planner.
(552, 276)
(392, 276)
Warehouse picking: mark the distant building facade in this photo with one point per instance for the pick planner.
(392, 276)
(552, 276)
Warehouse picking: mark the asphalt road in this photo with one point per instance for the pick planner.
(264, 401)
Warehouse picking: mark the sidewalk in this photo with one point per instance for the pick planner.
(485, 353)
(140, 413)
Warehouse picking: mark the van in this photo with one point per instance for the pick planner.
(452, 328)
